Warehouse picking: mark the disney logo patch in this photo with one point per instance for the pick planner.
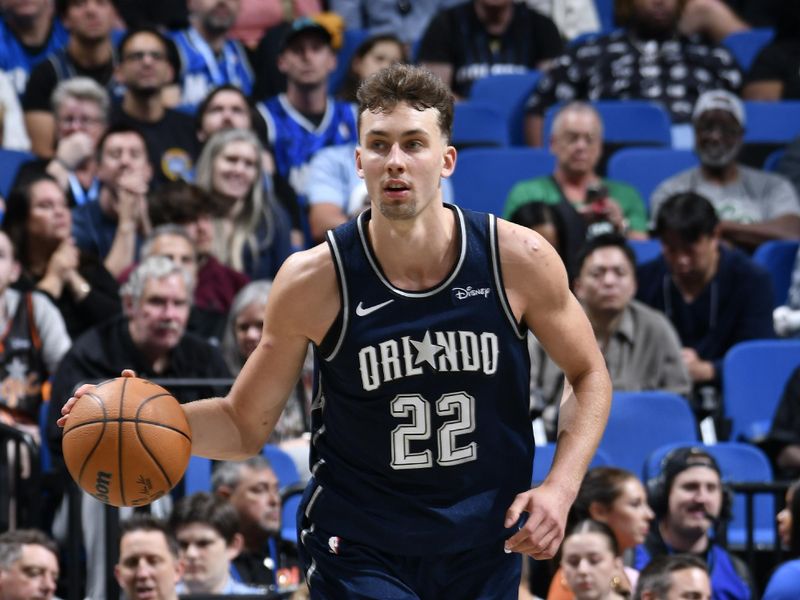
(468, 292)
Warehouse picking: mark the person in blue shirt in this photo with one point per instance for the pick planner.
(208, 57)
(305, 118)
(29, 32)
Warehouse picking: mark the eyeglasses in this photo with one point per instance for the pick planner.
(140, 55)
(79, 121)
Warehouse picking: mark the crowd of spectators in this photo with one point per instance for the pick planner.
(182, 150)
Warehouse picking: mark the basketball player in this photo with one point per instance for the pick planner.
(418, 312)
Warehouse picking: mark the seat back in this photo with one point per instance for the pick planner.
(646, 168)
(738, 463)
(779, 258)
(508, 94)
(351, 40)
(640, 422)
(745, 45)
(754, 374)
(770, 126)
(543, 460)
(484, 176)
(282, 464)
(645, 250)
(10, 162)
(479, 124)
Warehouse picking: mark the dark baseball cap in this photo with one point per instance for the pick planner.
(301, 26)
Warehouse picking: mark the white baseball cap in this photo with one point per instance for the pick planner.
(719, 100)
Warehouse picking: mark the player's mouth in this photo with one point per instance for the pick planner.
(396, 189)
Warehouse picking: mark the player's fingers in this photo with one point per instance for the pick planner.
(515, 510)
(128, 373)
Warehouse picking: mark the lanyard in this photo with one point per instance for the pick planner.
(229, 60)
(80, 195)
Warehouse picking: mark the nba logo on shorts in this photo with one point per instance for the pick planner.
(333, 544)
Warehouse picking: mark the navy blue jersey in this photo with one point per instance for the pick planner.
(421, 429)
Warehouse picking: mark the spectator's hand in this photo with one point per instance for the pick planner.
(786, 320)
(74, 150)
(132, 199)
(699, 369)
(64, 260)
(543, 532)
(86, 387)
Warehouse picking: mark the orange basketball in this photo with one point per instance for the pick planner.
(127, 442)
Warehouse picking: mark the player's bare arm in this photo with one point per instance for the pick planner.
(536, 283)
(302, 306)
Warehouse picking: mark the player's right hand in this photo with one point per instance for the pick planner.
(86, 387)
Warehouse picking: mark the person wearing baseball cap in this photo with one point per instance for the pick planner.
(306, 117)
(753, 205)
(690, 502)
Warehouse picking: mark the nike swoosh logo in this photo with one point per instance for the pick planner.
(363, 312)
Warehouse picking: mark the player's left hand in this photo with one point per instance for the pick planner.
(542, 533)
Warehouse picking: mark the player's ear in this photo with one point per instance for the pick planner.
(359, 168)
(224, 491)
(597, 510)
(448, 161)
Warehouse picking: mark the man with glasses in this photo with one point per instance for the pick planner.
(145, 71)
(89, 53)
(753, 205)
(80, 108)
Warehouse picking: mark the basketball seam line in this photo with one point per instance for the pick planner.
(128, 420)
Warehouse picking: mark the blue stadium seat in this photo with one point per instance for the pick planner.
(627, 123)
(605, 12)
(645, 250)
(778, 257)
(754, 374)
(479, 124)
(739, 463)
(197, 477)
(640, 422)
(745, 45)
(772, 122)
(10, 162)
(543, 460)
(646, 168)
(484, 176)
(772, 160)
(507, 93)
(282, 464)
(351, 40)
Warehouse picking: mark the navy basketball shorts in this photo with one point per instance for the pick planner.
(337, 569)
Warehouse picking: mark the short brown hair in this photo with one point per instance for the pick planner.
(415, 86)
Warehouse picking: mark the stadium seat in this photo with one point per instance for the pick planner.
(772, 160)
(745, 45)
(543, 460)
(282, 464)
(739, 463)
(645, 250)
(479, 124)
(351, 40)
(627, 123)
(507, 93)
(484, 176)
(778, 257)
(754, 374)
(640, 422)
(646, 168)
(10, 162)
(605, 12)
(770, 126)
(197, 477)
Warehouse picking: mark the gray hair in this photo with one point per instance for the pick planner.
(257, 205)
(153, 267)
(576, 106)
(82, 88)
(11, 543)
(229, 472)
(255, 291)
(656, 577)
(161, 230)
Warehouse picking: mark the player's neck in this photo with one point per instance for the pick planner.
(417, 253)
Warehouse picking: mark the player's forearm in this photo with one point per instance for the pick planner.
(581, 422)
(218, 432)
(786, 227)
